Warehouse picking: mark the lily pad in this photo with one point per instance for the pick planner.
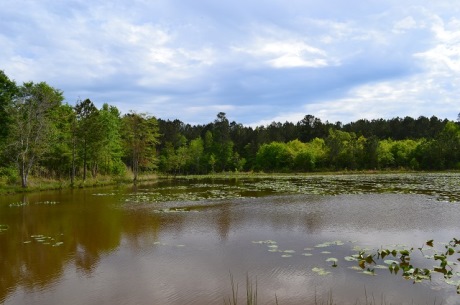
(367, 272)
(332, 259)
(452, 282)
(286, 255)
(307, 254)
(320, 271)
(355, 268)
(350, 259)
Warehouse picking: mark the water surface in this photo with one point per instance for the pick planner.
(177, 241)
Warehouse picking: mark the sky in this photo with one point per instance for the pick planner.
(257, 61)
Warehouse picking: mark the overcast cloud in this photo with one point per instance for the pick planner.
(258, 61)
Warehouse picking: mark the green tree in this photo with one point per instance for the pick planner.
(403, 153)
(8, 91)
(385, 157)
(87, 133)
(344, 148)
(223, 145)
(110, 148)
(448, 142)
(58, 159)
(30, 128)
(196, 155)
(275, 156)
(140, 137)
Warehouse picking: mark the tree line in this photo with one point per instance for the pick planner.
(309, 145)
(43, 136)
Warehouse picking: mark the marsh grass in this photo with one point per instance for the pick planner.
(251, 297)
(251, 292)
(35, 184)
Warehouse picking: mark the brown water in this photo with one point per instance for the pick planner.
(176, 242)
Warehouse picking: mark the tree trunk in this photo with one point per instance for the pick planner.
(23, 175)
(84, 161)
(72, 174)
(135, 168)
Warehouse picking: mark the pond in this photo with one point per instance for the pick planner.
(390, 239)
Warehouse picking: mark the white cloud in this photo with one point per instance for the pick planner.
(169, 55)
(405, 24)
(287, 53)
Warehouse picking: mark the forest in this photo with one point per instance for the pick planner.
(43, 137)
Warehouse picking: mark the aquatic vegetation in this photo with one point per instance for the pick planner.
(320, 271)
(44, 240)
(251, 292)
(398, 259)
(402, 262)
(47, 202)
(441, 187)
(18, 204)
(104, 194)
(4, 228)
(333, 260)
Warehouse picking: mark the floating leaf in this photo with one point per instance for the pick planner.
(390, 262)
(289, 251)
(350, 259)
(452, 282)
(367, 272)
(286, 255)
(404, 252)
(355, 268)
(307, 254)
(320, 271)
(332, 259)
(326, 252)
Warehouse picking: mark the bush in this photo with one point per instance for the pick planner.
(10, 174)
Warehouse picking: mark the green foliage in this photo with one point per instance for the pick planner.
(8, 91)
(41, 136)
(140, 137)
(10, 174)
(31, 127)
(275, 156)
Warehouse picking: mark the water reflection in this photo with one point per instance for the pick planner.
(118, 247)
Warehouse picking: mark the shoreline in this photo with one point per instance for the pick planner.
(39, 185)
